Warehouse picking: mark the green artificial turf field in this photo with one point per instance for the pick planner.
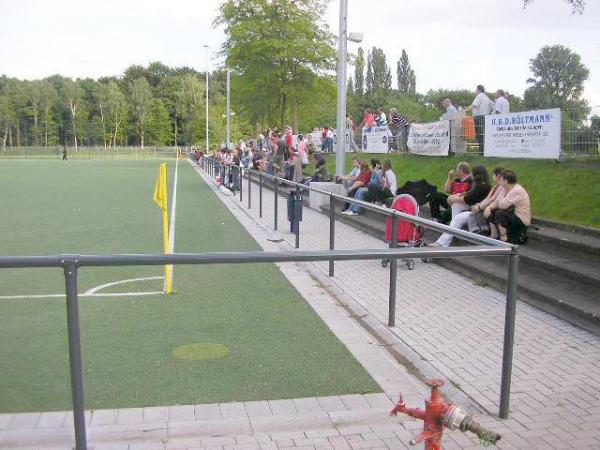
(270, 344)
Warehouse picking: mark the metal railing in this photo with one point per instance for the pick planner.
(488, 247)
(71, 264)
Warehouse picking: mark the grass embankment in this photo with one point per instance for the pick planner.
(566, 191)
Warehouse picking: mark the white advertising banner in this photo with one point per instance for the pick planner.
(429, 139)
(347, 143)
(376, 140)
(529, 134)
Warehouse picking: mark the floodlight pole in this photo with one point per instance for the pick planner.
(207, 51)
(228, 108)
(341, 91)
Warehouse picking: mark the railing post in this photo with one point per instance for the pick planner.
(296, 218)
(75, 361)
(249, 189)
(260, 194)
(275, 208)
(393, 274)
(239, 180)
(331, 232)
(509, 332)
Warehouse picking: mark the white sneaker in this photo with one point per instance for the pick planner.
(351, 213)
(346, 211)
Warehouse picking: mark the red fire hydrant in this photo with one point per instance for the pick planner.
(439, 414)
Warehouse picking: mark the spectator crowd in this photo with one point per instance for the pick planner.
(499, 207)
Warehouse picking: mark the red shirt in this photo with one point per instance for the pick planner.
(288, 140)
(364, 176)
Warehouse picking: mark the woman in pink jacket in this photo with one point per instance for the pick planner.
(510, 214)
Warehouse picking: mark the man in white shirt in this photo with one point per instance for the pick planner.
(481, 106)
(450, 110)
(501, 105)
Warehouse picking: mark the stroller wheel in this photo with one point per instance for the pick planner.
(385, 262)
(410, 264)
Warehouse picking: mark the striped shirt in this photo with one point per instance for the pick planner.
(398, 120)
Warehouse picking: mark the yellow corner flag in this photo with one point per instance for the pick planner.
(160, 197)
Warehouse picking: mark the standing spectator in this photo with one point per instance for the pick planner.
(300, 160)
(329, 139)
(399, 126)
(449, 108)
(381, 118)
(501, 105)
(481, 106)
(289, 139)
(311, 148)
(368, 120)
(350, 128)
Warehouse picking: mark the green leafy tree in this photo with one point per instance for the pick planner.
(369, 80)
(557, 82)
(407, 81)
(359, 73)
(48, 98)
(158, 123)
(379, 79)
(141, 100)
(350, 88)
(276, 48)
(73, 97)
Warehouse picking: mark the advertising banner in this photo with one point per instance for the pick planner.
(529, 134)
(429, 139)
(376, 140)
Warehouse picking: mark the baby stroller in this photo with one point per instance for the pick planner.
(409, 234)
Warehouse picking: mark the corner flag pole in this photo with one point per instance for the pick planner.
(160, 197)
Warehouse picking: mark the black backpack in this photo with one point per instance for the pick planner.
(421, 190)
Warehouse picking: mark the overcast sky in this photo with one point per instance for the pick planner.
(451, 44)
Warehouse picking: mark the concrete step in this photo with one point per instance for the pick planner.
(561, 281)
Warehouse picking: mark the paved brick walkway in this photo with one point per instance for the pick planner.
(447, 326)
(455, 326)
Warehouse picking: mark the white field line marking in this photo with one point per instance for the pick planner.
(93, 290)
(172, 224)
(108, 294)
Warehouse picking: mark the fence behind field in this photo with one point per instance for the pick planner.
(91, 152)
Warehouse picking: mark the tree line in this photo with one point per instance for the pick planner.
(153, 105)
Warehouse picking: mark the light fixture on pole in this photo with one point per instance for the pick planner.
(341, 81)
(207, 51)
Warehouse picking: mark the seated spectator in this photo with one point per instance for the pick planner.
(478, 224)
(458, 182)
(348, 180)
(321, 173)
(510, 215)
(479, 190)
(361, 182)
(383, 192)
(275, 161)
